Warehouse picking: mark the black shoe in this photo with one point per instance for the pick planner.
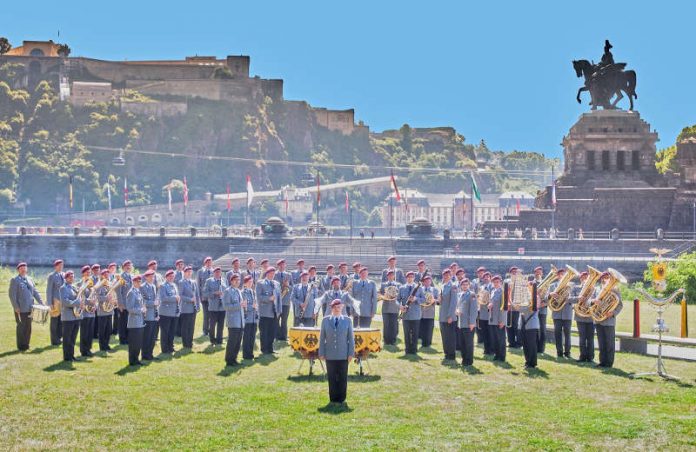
(233, 363)
(137, 363)
(75, 358)
(567, 355)
(580, 360)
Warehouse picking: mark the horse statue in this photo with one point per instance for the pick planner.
(603, 82)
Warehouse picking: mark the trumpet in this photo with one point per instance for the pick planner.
(77, 310)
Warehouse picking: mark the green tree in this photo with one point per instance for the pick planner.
(5, 45)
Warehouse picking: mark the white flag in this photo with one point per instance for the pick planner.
(250, 191)
(108, 194)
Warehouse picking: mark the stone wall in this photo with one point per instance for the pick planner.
(158, 109)
(237, 90)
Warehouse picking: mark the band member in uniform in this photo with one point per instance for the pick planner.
(234, 319)
(264, 266)
(251, 317)
(496, 324)
(285, 280)
(190, 305)
(606, 329)
(467, 310)
(104, 318)
(159, 280)
(252, 271)
(365, 291)
(87, 320)
(69, 321)
(270, 308)
(585, 325)
(459, 275)
(235, 270)
(297, 272)
(204, 273)
(337, 348)
(312, 271)
(529, 330)
(53, 284)
(513, 334)
(484, 315)
(95, 276)
(332, 294)
(22, 293)
(178, 276)
(448, 315)
(411, 300)
(136, 325)
(343, 274)
(543, 311)
(214, 288)
(356, 271)
(170, 308)
(326, 281)
(474, 285)
(126, 268)
(562, 320)
(148, 292)
(303, 295)
(427, 322)
(390, 309)
(421, 270)
(398, 273)
(112, 267)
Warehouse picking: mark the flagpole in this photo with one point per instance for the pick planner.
(391, 215)
(553, 207)
(350, 215)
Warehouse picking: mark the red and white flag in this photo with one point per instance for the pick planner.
(250, 191)
(185, 192)
(396, 189)
(229, 199)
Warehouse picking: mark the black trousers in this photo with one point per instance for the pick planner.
(425, 332)
(541, 340)
(337, 375)
(529, 344)
(391, 328)
(484, 335)
(586, 334)
(234, 342)
(513, 335)
(364, 322)
(86, 335)
(56, 330)
(167, 329)
(467, 347)
(216, 326)
(70, 329)
(479, 334)
(136, 344)
(449, 337)
(187, 323)
(177, 327)
(206, 317)
(104, 329)
(281, 330)
(117, 315)
(149, 337)
(248, 340)
(411, 328)
(458, 335)
(267, 326)
(95, 328)
(23, 320)
(498, 342)
(606, 338)
(307, 322)
(123, 327)
(561, 334)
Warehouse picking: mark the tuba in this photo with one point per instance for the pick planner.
(559, 297)
(111, 300)
(582, 307)
(544, 284)
(391, 293)
(77, 310)
(607, 300)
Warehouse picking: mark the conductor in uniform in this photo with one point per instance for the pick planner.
(337, 348)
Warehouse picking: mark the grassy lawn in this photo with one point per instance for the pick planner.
(193, 402)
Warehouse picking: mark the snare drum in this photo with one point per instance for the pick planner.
(367, 340)
(304, 339)
(40, 313)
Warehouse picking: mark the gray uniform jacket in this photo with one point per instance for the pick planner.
(134, 305)
(398, 275)
(213, 285)
(232, 302)
(189, 296)
(54, 282)
(448, 303)
(414, 309)
(484, 313)
(265, 289)
(178, 276)
(251, 313)
(169, 307)
(204, 273)
(575, 299)
(255, 275)
(102, 298)
(552, 287)
(123, 290)
(22, 293)
(286, 277)
(233, 272)
(498, 316)
(336, 338)
(389, 307)
(429, 312)
(366, 293)
(295, 275)
(347, 309)
(611, 321)
(149, 297)
(529, 320)
(564, 314)
(468, 309)
(68, 301)
(88, 295)
(299, 295)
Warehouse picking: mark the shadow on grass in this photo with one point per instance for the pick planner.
(38, 350)
(357, 378)
(392, 348)
(201, 339)
(279, 345)
(9, 353)
(451, 363)
(502, 364)
(471, 370)
(182, 352)
(230, 370)
(306, 378)
(165, 357)
(211, 349)
(60, 365)
(266, 359)
(428, 350)
(335, 408)
(130, 369)
(535, 372)
(411, 357)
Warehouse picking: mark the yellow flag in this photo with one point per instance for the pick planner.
(659, 271)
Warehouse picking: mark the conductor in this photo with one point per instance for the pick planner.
(337, 347)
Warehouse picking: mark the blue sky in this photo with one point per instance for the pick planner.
(495, 70)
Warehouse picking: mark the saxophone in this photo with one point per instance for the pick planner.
(582, 307)
(559, 297)
(607, 300)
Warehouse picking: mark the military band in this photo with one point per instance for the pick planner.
(149, 307)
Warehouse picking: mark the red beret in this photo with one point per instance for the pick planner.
(539, 268)
(481, 269)
(410, 273)
(280, 261)
(69, 273)
(583, 274)
(391, 258)
(312, 268)
(335, 278)
(152, 262)
(356, 264)
(268, 270)
(300, 261)
(137, 278)
(304, 273)
(179, 261)
(150, 273)
(188, 268)
(207, 259)
(512, 269)
(113, 264)
(105, 271)
(169, 273)
(426, 277)
(420, 262)
(251, 259)
(57, 262)
(496, 277)
(264, 261)
(217, 269)
(390, 272)
(335, 302)
(126, 262)
(342, 264)
(21, 264)
(235, 260)
(447, 270)
(84, 269)
(560, 270)
(248, 278)
(604, 274)
(233, 276)
(329, 267)
(363, 269)
(460, 270)
(96, 267)
(487, 274)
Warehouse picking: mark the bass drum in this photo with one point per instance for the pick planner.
(367, 340)
(304, 339)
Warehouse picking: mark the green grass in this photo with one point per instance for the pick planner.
(193, 402)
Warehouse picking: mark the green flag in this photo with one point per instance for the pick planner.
(474, 187)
